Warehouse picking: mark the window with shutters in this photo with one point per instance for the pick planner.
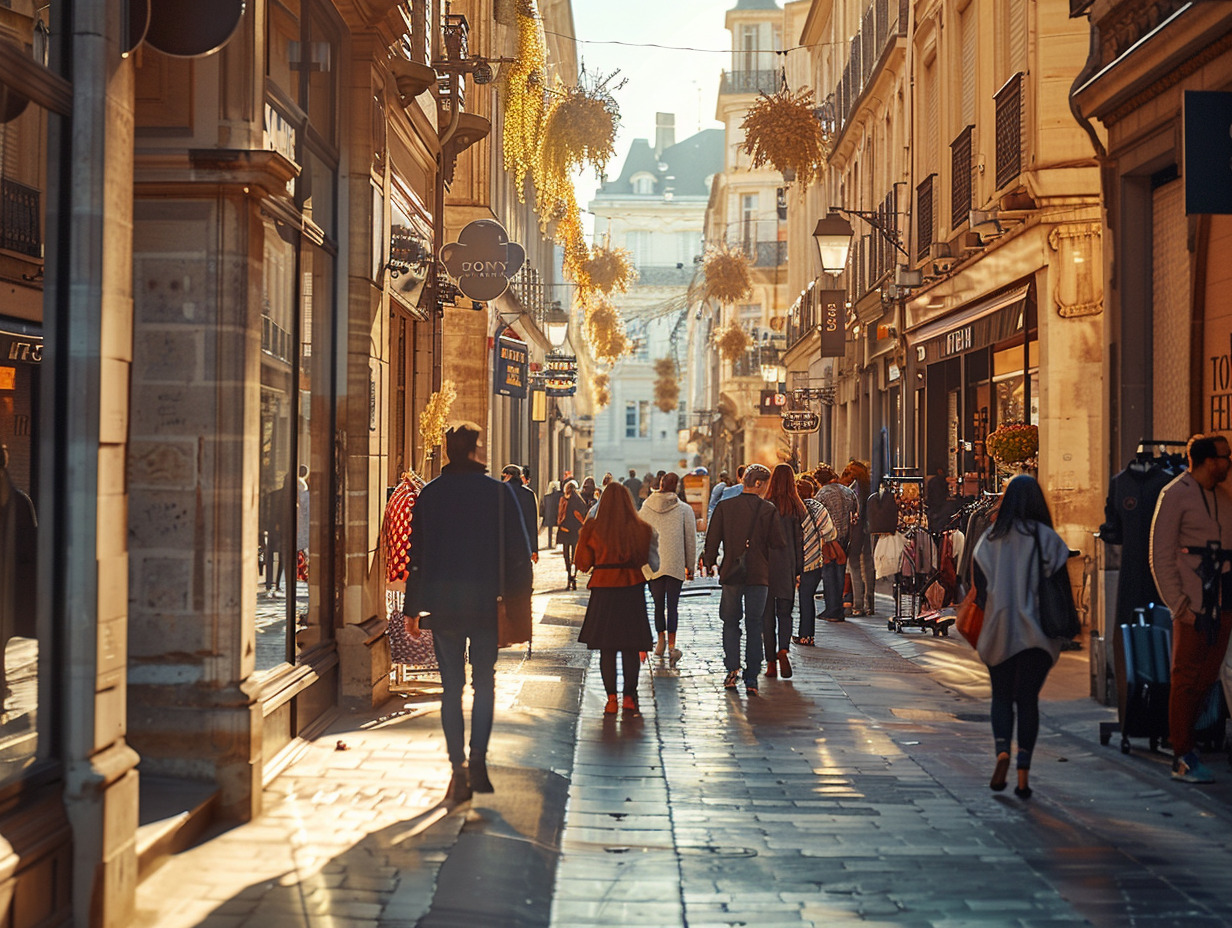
(1009, 130)
(960, 177)
(968, 36)
(924, 218)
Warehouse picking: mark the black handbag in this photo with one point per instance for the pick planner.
(1058, 616)
(739, 574)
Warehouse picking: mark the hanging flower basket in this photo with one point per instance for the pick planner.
(1014, 446)
(731, 340)
(601, 391)
(607, 270)
(605, 331)
(782, 129)
(667, 386)
(727, 275)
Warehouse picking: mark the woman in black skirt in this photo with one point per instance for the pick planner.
(614, 545)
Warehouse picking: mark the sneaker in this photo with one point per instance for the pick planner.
(732, 678)
(630, 709)
(806, 641)
(1189, 769)
(751, 690)
(612, 704)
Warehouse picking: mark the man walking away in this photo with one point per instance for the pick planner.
(746, 528)
(634, 486)
(1187, 522)
(456, 568)
(528, 503)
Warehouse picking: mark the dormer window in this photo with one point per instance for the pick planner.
(643, 183)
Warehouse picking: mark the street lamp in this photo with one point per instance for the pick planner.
(833, 235)
(557, 323)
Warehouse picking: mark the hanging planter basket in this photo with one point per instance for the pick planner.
(667, 386)
(605, 331)
(727, 275)
(731, 340)
(782, 129)
(601, 391)
(607, 270)
(1014, 447)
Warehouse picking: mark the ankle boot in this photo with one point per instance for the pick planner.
(459, 790)
(478, 771)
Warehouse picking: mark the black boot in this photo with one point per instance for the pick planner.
(459, 787)
(479, 776)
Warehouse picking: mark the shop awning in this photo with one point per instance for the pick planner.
(978, 325)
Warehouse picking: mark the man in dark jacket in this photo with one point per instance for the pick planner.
(458, 561)
(745, 526)
(512, 475)
(634, 486)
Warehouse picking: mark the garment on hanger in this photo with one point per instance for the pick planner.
(1128, 512)
(882, 509)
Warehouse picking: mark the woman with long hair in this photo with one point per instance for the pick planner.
(571, 513)
(614, 546)
(786, 565)
(1012, 643)
(676, 527)
(860, 549)
(818, 529)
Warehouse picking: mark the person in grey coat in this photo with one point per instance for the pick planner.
(786, 565)
(676, 525)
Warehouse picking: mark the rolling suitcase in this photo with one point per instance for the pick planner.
(1142, 651)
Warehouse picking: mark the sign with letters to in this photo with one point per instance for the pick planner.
(831, 321)
(483, 260)
(510, 368)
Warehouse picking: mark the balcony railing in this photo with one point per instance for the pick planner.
(768, 254)
(19, 218)
(924, 217)
(884, 22)
(960, 177)
(749, 82)
(1009, 130)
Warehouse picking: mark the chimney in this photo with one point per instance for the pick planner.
(665, 132)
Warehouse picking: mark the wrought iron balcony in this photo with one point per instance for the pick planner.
(884, 22)
(749, 82)
(767, 254)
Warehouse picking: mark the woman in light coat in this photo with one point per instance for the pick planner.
(676, 525)
(1012, 642)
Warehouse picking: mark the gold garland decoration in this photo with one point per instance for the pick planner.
(727, 275)
(434, 419)
(605, 331)
(601, 391)
(731, 340)
(782, 130)
(667, 387)
(524, 99)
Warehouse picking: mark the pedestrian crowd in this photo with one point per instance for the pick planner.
(773, 538)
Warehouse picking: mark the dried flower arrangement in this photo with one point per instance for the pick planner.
(606, 270)
(580, 128)
(727, 275)
(524, 97)
(435, 418)
(667, 387)
(605, 331)
(601, 391)
(782, 130)
(1013, 445)
(731, 340)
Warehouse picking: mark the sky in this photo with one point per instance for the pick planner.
(685, 83)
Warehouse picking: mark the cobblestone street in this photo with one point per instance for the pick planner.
(854, 792)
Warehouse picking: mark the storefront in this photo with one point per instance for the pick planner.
(976, 369)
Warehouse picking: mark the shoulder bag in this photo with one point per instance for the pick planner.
(513, 619)
(739, 574)
(970, 618)
(1058, 616)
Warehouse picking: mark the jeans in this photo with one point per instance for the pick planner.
(776, 625)
(630, 665)
(832, 583)
(450, 649)
(743, 604)
(1018, 681)
(665, 591)
(863, 580)
(1195, 668)
(568, 543)
(809, 581)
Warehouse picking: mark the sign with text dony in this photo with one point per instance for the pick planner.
(831, 322)
(483, 260)
(510, 368)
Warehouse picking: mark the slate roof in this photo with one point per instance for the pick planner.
(686, 165)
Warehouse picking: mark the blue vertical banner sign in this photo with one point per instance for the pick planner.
(831, 322)
(510, 368)
(1208, 152)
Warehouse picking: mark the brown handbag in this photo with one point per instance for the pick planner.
(970, 618)
(834, 552)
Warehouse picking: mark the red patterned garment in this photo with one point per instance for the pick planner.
(396, 530)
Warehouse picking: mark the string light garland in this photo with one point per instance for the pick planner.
(524, 98)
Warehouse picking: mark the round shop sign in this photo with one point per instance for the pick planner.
(483, 260)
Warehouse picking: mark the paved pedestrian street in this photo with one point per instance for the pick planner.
(853, 793)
